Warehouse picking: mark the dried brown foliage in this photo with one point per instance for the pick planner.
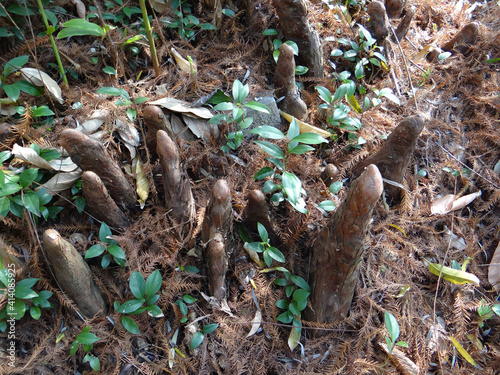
(460, 95)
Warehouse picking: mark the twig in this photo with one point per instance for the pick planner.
(403, 57)
(466, 166)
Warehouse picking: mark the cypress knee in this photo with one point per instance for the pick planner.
(393, 157)
(215, 232)
(339, 249)
(90, 155)
(73, 274)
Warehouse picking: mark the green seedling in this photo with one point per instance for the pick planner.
(87, 340)
(145, 293)
(110, 247)
(393, 328)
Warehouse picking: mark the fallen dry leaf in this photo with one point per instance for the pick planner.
(41, 79)
(448, 203)
(494, 270)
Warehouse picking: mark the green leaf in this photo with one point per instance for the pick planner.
(335, 187)
(23, 292)
(260, 175)
(14, 64)
(300, 149)
(41, 111)
(80, 204)
(87, 338)
(192, 269)
(9, 189)
(262, 232)
(5, 155)
(285, 317)
(80, 26)
(12, 91)
(224, 106)
(257, 106)
(282, 304)
(276, 254)
(94, 251)
(266, 131)
(444, 56)
(209, 328)
(93, 361)
(327, 205)
(130, 325)
(403, 344)
(255, 246)
(300, 295)
(294, 338)
(207, 26)
(300, 282)
(4, 206)
(324, 94)
(29, 88)
(240, 91)
(294, 46)
(270, 32)
(392, 326)
(197, 340)
(130, 306)
(28, 283)
(271, 149)
(32, 203)
(228, 12)
(109, 70)
(188, 299)
(153, 283)
(154, 311)
(74, 347)
(137, 285)
(116, 251)
(153, 299)
(301, 70)
(293, 131)
(452, 275)
(182, 307)
(292, 186)
(104, 231)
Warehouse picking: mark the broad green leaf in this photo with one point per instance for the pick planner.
(255, 246)
(74, 347)
(271, 149)
(257, 106)
(9, 189)
(327, 205)
(392, 326)
(270, 32)
(154, 311)
(80, 26)
(116, 251)
(301, 70)
(32, 203)
(300, 149)
(228, 12)
(130, 325)
(94, 362)
(403, 344)
(293, 131)
(182, 307)
(310, 138)
(207, 26)
(300, 295)
(23, 292)
(340, 92)
(80, 204)
(282, 304)
(141, 99)
(197, 340)
(336, 53)
(262, 232)
(35, 312)
(42, 111)
(285, 317)
(12, 91)
(5, 155)
(292, 186)
(130, 306)
(28, 283)
(15, 63)
(294, 46)
(209, 328)
(192, 269)
(153, 299)
(137, 285)
(94, 251)
(188, 299)
(4, 206)
(240, 91)
(270, 186)
(109, 70)
(463, 352)
(324, 93)
(453, 275)
(29, 88)
(276, 254)
(335, 187)
(153, 283)
(300, 282)
(263, 173)
(224, 106)
(87, 338)
(110, 91)
(27, 177)
(266, 131)
(104, 231)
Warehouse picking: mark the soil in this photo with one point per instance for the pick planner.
(456, 153)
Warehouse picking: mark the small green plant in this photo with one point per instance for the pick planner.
(284, 184)
(199, 336)
(393, 328)
(124, 100)
(299, 69)
(268, 252)
(20, 297)
(486, 311)
(145, 293)
(87, 340)
(238, 118)
(77, 198)
(13, 89)
(17, 188)
(185, 22)
(111, 247)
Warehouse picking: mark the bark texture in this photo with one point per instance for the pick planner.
(256, 211)
(99, 202)
(155, 120)
(393, 157)
(295, 26)
(73, 274)
(378, 25)
(405, 23)
(284, 83)
(90, 155)
(216, 229)
(339, 250)
(394, 7)
(465, 37)
(177, 188)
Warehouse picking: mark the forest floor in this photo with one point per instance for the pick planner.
(457, 153)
